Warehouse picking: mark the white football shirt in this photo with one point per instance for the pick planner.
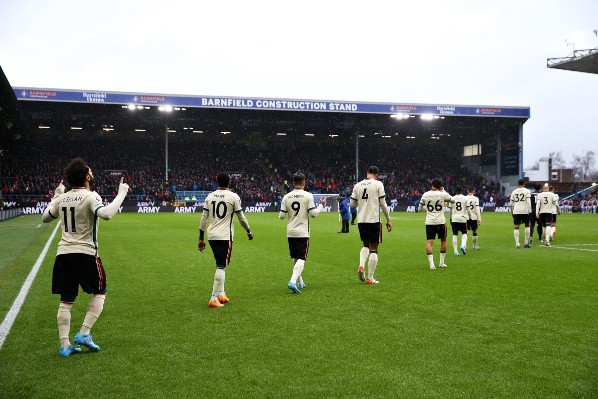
(546, 203)
(556, 203)
(459, 210)
(367, 193)
(77, 210)
(297, 204)
(220, 207)
(473, 206)
(433, 202)
(521, 201)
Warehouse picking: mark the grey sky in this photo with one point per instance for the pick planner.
(438, 52)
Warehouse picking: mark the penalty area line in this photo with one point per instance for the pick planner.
(20, 299)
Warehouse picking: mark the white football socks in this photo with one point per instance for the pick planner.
(442, 256)
(464, 240)
(455, 243)
(431, 259)
(373, 262)
(63, 319)
(527, 235)
(218, 287)
(94, 309)
(548, 232)
(297, 270)
(363, 255)
(516, 235)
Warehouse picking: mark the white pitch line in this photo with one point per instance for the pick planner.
(575, 249)
(18, 303)
(578, 245)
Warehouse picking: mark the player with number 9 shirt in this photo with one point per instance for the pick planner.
(297, 207)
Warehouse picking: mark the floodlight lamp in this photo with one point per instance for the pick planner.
(131, 107)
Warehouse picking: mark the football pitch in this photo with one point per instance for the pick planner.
(500, 322)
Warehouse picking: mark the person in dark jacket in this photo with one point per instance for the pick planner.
(343, 210)
(353, 215)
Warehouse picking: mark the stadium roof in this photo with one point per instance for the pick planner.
(578, 61)
(277, 104)
(94, 111)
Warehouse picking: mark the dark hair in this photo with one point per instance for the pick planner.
(436, 183)
(538, 186)
(521, 182)
(223, 179)
(470, 189)
(298, 178)
(459, 190)
(76, 171)
(373, 170)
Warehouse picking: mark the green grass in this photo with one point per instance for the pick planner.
(498, 323)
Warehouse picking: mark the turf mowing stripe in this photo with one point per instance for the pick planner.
(18, 303)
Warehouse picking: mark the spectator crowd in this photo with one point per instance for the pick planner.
(32, 167)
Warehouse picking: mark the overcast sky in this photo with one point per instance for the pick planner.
(432, 52)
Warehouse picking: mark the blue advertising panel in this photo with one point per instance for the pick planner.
(36, 94)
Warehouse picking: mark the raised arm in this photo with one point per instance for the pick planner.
(106, 212)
